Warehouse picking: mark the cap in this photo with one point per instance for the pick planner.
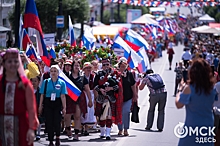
(68, 62)
(105, 61)
(122, 60)
(87, 64)
(149, 71)
(55, 66)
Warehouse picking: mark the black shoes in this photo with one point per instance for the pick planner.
(37, 137)
(108, 138)
(148, 129)
(160, 130)
(57, 142)
(86, 133)
(51, 144)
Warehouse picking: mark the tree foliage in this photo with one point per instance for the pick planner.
(48, 10)
(123, 13)
(213, 12)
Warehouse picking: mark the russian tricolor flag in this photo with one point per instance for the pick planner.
(52, 53)
(88, 40)
(133, 58)
(136, 39)
(72, 90)
(30, 52)
(25, 40)
(182, 18)
(32, 20)
(72, 39)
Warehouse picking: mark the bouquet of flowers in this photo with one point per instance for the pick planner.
(88, 55)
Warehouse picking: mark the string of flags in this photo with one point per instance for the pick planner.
(148, 3)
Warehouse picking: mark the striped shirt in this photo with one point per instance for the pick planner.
(149, 85)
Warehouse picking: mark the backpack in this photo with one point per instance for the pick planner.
(156, 81)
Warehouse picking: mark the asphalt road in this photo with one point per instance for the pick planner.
(138, 135)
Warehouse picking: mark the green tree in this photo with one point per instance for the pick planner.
(48, 10)
(217, 17)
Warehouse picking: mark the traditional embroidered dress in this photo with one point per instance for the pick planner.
(89, 117)
(14, 121)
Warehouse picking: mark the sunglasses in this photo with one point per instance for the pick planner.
(105, 64)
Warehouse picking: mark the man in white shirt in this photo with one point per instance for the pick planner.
(186, 57)
(210, 57)
(216, 108)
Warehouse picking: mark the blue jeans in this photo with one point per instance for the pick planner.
(126, 109)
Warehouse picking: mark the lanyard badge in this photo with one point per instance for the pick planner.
(53, 94)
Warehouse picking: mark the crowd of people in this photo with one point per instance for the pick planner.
(33, 95)
(101, 103)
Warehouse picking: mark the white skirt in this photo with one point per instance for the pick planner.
(89, 117)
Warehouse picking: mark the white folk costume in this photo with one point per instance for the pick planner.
(90, 118)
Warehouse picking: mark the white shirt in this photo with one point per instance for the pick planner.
(210, 58)
(170, 45)
(186, 55)
(217, 87)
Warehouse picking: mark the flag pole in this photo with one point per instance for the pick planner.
(60, 12)
(17, 22)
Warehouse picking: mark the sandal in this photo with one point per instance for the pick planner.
(126, 133)
(120, 133)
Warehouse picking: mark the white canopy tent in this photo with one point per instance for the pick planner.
(206, 18)
(200, 28)
(144, 19)
(210, 31)
(150, 16)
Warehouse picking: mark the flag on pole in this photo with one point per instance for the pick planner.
(72, 39)
(32, 20)
(25, 40)
(20, 33)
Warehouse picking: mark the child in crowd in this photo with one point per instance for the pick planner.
(35, 82)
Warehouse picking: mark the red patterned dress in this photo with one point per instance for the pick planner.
(14, 108)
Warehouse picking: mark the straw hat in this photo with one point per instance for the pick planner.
(87, 64)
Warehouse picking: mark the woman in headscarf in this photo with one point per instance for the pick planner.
(53, 92)
(17, 103)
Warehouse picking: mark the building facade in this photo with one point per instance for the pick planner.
(6, 7)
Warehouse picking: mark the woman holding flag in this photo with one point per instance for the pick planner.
(53, 92)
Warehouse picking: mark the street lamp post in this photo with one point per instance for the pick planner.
(17, 19)
(101, 11)
(1, 9)
(60, 12)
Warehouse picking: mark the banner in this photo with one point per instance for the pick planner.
(133, 14)
(49, 39)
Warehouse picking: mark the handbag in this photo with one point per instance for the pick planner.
(135, 111)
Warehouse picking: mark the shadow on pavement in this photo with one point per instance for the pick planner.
(102, 139)
(143, 130)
